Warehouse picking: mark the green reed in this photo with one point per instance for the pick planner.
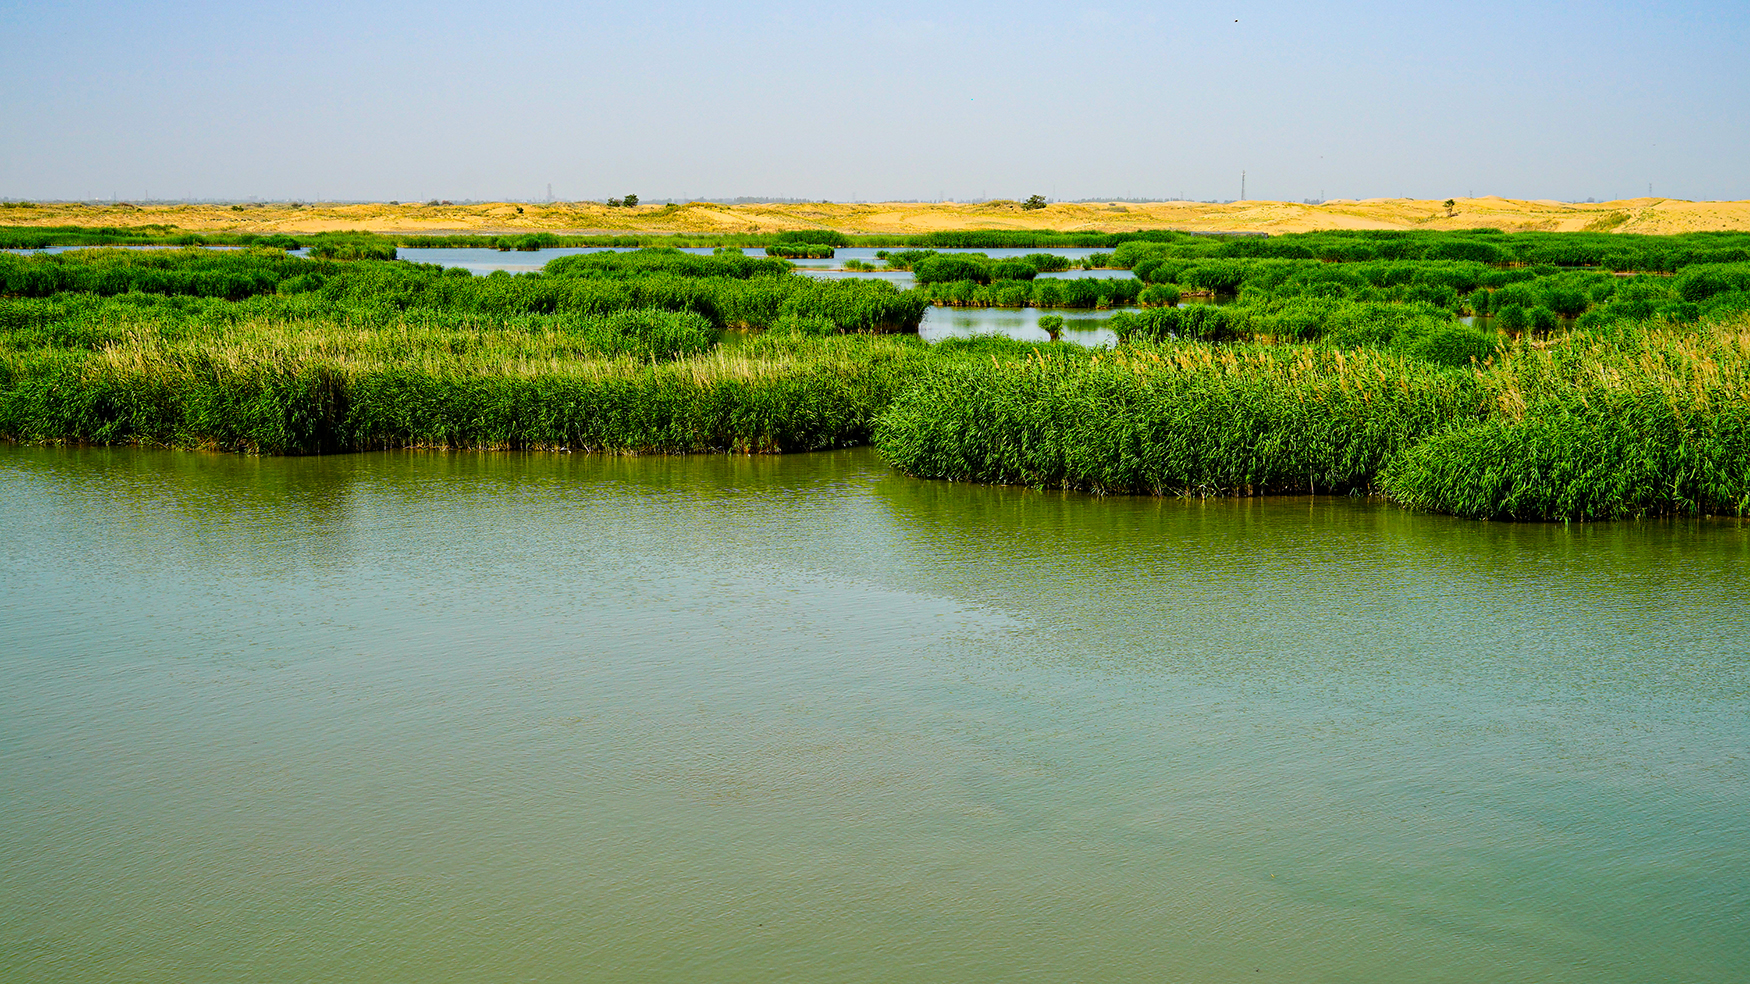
(1185, 419)
(1638, 424)
(446, 379)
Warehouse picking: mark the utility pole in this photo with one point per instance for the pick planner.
(1242, 186)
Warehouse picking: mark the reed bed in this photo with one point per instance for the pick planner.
(230, 274)
(1584, 427)
(317, 387)
(1598, 428)
(1600, 250)
(1188, 419)
(643, 262)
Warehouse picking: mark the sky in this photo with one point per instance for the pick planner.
(873, 101)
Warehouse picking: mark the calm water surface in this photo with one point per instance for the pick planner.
(1079, 325)
(485, 261)
(426, 717)
(1084, 327)
(939, 322)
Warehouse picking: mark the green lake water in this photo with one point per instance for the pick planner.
(464, 717)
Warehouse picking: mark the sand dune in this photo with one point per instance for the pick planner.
(1637, 215)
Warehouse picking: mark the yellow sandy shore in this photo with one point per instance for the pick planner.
(1641, 215)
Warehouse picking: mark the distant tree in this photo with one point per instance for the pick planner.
(630, 200)
(1052, 325)
(613, 203)
(1450, 205)
(1034, 203)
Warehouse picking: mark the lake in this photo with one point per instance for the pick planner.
(493, 717)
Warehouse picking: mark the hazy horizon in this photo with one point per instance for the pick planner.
(685, 100)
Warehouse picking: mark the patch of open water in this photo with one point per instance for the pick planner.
(494, 717)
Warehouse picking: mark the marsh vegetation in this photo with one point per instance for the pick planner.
(1573, 392)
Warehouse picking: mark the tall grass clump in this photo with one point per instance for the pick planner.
(801, 251)
(1180, 420)
(643, 262)
(354, 249)
(950, 267)
(813, 237)
(1644, 423)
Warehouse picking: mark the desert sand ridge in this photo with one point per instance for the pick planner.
(1634, 215)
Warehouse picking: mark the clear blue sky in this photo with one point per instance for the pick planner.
(883, 100)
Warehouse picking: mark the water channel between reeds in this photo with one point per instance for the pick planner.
(1081, 326)
(491, 717)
